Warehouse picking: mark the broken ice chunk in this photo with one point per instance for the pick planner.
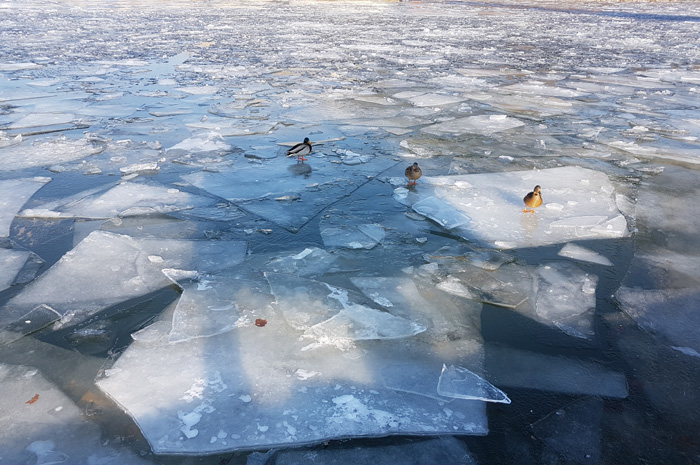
(11, 262)
(441, 212)
(15, 193)
(583, 254)
(566, 297)
(414, 378)
(480, 124)
(358, 322)
(461, 383)
(308, 262)
(46, 153)
(363, 236)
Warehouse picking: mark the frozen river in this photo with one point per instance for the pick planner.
(176, 290)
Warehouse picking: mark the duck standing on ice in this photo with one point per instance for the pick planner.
(533, 199)
(413, 172)
(301, 149)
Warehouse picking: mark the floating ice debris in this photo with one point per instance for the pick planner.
(124, 199)
(461, 383)
(151, 167)
(308, 262)
(494, 203)
(454, 256)
(442, 212)
(208, 306)
(566, 297)
(107, 268)
(574, 431)
(15, 193)
(206, 142)
(481, 124)
(46, 152)
(444, 449)
(530, 370)
(363, 236)
(583, 254)
(45, 423)
(11, 262)
(414, 378)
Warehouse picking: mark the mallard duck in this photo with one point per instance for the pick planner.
(413, 172)
(301, 149)
(533, 199)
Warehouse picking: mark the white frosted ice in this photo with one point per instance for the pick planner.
(482, 124)
(11, 262)
(583, 254)
(578, 203)
(46, 152)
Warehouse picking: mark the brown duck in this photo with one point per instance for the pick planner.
(413, 172)
(533, 199)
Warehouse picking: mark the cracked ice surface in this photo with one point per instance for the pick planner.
(578, 203)
(315, 370)
(286, 192)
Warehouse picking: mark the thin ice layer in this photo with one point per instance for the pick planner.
(460, 383)
(578, 203)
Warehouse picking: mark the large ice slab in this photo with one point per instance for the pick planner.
(281, 378)
(15, 193)
(124, 199)
(46, 152)
(578, 203)
(299, 190)
(107, 268)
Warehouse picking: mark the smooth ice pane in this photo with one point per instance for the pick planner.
(575, 430)
(308, 262)
(441, 212)
(413, 378)
(461, 383)
(583, 254)
(531, 370)
(15, 193)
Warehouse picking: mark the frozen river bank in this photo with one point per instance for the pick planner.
(177, 290)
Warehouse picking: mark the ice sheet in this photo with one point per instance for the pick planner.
(577, 252)
(11, 262)
(578, 203)
(299, 191)
(15, 193)
(106, 269)
(124, 199)
(288, 391)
